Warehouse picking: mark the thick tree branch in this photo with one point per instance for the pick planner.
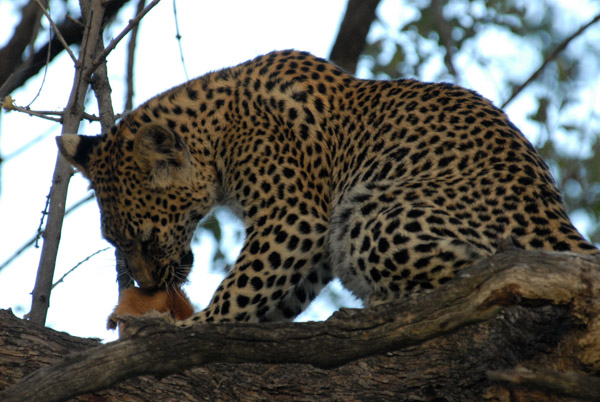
(23, 36)
(351, 38)
(511, 278)
(445, 32)
(567, 384)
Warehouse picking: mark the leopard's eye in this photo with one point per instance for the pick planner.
(125, 245)
(110, 240)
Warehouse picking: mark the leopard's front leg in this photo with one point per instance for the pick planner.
(283, 265)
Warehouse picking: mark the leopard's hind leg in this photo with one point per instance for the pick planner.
(386, 243)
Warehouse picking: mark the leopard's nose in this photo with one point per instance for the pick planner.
(141, 271)
(144, 282)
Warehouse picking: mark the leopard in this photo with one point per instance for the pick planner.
(391, 186)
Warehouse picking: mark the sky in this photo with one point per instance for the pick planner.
(214, 34)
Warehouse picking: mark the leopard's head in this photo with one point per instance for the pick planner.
(150, 196)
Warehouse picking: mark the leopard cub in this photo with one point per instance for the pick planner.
(391, 186)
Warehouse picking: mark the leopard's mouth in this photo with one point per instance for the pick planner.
(151, 277)
(179, 274)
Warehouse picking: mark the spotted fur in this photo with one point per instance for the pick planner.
(392, 186)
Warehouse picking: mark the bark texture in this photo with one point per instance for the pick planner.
(518, 326)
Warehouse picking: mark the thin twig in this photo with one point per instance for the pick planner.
(28, 145)
(133, 22)
(131, 59)
(24, 36)
(47, 55)
(557, 50)
(71, 30)
(57, 32)
(45, 114)
(86, 259)
(32, 241)
(40, 229)
(178, 37)
(42, 115)
(75, 21)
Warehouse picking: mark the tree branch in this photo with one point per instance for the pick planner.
(101, 58)
(33, 240)
(512, 278)
(9, 106)
(549, 58)
(91, 57)
(63, 171)
(352, 35)
(15, 73)
(57, 32)
(445, 32)
(570, 384)
(23, 36)
(43, 114)
(131, 59)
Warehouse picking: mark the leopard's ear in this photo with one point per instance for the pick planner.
(161, 153)
(77, 149)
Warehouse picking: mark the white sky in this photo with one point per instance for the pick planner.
(215, 34)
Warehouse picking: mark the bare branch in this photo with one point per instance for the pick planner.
(551, 56)
(23, 36)
(131, 59)
(45, 114)
(86, 259)
(40, 231)
(41, 114)
(101, 87)
(14, 72)
(57, 32)
(28, 145)
(178, 37)
(34, 239)
(132, 23)
(63, 170)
